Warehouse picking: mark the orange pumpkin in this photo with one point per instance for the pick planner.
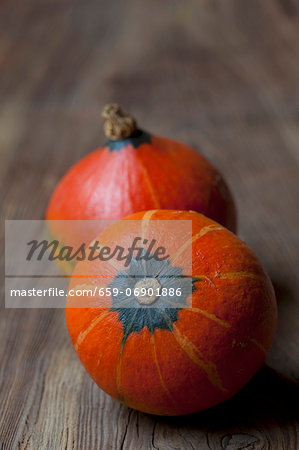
(136, 171)
(170, 359)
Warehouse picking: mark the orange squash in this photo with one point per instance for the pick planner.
(137, 171)
(169, 359)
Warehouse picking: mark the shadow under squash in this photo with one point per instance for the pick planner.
(283, 292)
(269, 402)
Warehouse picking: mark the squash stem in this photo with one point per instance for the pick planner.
(118, 123)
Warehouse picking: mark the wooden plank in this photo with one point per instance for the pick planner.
(219, 75)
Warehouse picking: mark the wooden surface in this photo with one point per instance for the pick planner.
(222, 76)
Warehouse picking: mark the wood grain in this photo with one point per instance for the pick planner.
(220, 75)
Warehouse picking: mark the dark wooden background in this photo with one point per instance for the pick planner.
(221, 75)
